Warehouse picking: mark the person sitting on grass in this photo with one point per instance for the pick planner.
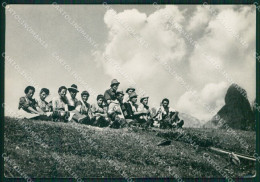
(110, 94)
(99, 111)
(84, 108)
(43, 104)
(28, 107)
(72, 100)
(115, 112)
(167, 116)
(60, 105)
(133, 115)
(146, 117)
(129, 90)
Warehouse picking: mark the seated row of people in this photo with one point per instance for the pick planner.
(114, 108)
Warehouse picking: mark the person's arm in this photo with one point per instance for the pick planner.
(25, 106)
(38, 107)
(66, 107)
(40, 110)
(137, 113)
(142, 110)
(78, 106)
(94, 111)
(107, 97)
(99, 114)
(54, 105)
(32, 110)
(111, 108)
(158, 112)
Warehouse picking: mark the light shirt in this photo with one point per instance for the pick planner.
(60, 104)
(163, 112)
(114, 106)
(72, 102)
(126, 98)
(84, 108)
(141, 108)
(44, 105)
(134, 106)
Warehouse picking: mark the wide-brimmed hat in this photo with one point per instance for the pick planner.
(143, 97)
(84, 93)
(114, 82)
(120, 92)
(130, 88)
(133, 94)
(74, 88)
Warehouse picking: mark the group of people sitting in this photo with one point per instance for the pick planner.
(113, 109)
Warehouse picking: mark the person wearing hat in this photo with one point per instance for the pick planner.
(167, 116)
(131, 107)
(72, 100)
(129, 90)
(110, 94)
(99, 110)
(84, 108)
(143, 108)
(61, 108)
(116, 111)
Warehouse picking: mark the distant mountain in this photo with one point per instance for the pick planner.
(236, 112)
(190, 121)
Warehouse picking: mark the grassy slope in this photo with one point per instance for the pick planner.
(133, 152)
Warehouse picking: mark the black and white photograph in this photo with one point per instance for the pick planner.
(130, 91)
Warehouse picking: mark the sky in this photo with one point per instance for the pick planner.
(126, 39)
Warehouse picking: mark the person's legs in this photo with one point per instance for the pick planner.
(142, 122)
(115, 124)
(131, 122)
(102, 122)
(180, 123)
(60, 116)
(166, 123)
(85, 120)
(149, 123)
(118, 123)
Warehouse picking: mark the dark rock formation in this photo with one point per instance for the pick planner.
(236, 113)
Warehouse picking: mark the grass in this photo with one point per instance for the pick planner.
(87, 151)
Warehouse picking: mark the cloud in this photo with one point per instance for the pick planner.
(134, 37)
(199, 20)
(222, 43)
(211, 95)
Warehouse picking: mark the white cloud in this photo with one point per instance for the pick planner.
(199, 19)
(211, 95)
(216, 40)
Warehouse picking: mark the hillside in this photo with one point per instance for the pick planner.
(103, 152)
